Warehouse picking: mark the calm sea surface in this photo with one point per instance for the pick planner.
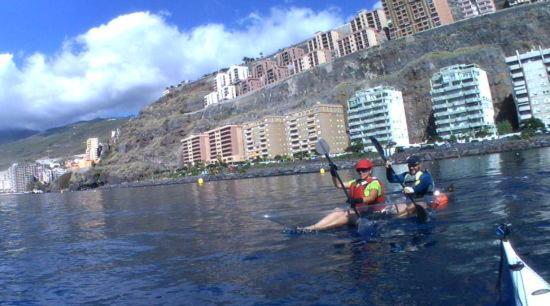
(223, 243)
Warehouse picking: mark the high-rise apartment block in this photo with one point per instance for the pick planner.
(305, 128)
(461, 101)
(375, 19)
(287, 57)
(323, 40)
(530, 74)
(265, 138)
(194, 148)
(226, 144)
(378, 112)
(22, 176)
(5, 182)
(409, 17)
(92, 149)
(473, 8)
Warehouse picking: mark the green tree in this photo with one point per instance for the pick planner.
(530, 126)
(504, 127)
(356, 147)
(452, 138)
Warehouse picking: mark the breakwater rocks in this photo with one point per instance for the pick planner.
(448, 151)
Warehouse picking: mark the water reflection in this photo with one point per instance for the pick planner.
(209, 244)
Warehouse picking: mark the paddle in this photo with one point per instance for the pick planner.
(420, 211)
(323, 148)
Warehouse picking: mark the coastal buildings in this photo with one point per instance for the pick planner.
(375, 19)
(194, 148)
(461, 101)
(473, 8)
(226, 144)
(323, 41)
(378, 112)
(5, 182)
(92, 149)
(409, 17)
(304, 128)
(530, 74)
(265, 138)
(22, 176)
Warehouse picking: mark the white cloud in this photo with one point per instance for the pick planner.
(119, 67)
(377, 5)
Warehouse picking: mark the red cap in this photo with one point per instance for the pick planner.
(363, 164)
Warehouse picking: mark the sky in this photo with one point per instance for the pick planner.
(63, 61)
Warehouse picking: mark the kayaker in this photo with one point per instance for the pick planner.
(365, 191)
(418, 184)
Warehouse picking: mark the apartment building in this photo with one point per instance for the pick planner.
(22, 176)
(520, 2)
(194, 148)
(265, 138)
(92, 149)
(530, 74)
(375, 19)
(237, 74)
(226, 144)
(473, 8)
(359, 40)
(304, 128)
(310, 60)
(259, 68)
(462, 101)
(287, 57)
(409, 17)
(378, 112)
(211, 98)
(5, 182)
(249, 85)
(323, 41)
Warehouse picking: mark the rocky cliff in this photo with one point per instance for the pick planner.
(150, 142)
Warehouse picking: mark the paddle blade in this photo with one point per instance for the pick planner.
(378, 147)
(322, 147)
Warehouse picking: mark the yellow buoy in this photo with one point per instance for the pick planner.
(200, 181)
(322, 171)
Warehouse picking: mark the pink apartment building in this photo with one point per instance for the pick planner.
(226, 144)
(409, 17)
(375, 19)
(323, 40)
(194, 148)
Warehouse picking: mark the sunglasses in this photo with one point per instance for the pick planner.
(363, 170)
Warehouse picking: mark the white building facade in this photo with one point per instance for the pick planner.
(530, 74)
(473, 8)
(378, 112)
(462, 101)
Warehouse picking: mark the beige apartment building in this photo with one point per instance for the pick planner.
(304, 128)
(265, 138)
(375, 19)
(194, 148)
(92, 149)
(288, 56)
(409, 17)
(226, 144)
(323, 40)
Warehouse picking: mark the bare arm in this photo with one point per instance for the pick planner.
(337, 183)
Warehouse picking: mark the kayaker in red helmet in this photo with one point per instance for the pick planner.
(365, 191)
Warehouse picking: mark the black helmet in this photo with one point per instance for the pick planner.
(413, 160)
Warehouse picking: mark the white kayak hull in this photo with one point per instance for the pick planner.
(529, 287)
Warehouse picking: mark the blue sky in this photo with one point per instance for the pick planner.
(68, 60)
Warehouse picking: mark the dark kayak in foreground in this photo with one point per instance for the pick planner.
(529, 288)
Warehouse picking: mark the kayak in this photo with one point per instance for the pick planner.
(529, 288)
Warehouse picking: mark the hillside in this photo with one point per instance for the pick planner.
(150, 142)
(7, 136)
(62, 141)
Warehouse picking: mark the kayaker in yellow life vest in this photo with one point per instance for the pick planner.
(418, 184)
(365, 191)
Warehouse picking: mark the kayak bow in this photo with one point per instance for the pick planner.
(529, 287)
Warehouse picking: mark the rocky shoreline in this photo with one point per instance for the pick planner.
(449, 151)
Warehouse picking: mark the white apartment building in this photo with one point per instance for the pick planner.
(211, 98)
(305, 128)
(378, 112)
(5, 182)
(462, 101)
(92, 149)
(375, 19)
(237, 74)
(473, 8)
(530, 74)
